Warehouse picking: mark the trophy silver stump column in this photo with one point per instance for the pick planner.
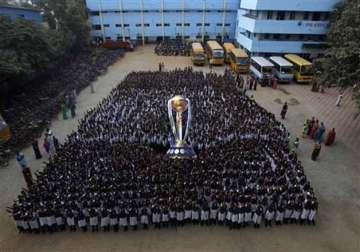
(179, 110)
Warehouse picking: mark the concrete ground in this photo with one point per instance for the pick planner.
(335, 177)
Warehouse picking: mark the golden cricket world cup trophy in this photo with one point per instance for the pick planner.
(179, 110)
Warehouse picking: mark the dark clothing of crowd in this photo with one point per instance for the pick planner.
(173, 47)
(113, 173)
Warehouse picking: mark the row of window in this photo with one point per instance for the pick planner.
(97, 13)
(98, 27)
(289, 15)
(199, 36)
(284, 37)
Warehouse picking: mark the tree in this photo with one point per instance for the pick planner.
(340, 65)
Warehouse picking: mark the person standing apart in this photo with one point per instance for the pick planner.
(316, 151)
(320, 132)
(35, 146)
(20, 158)
(284, 110)
(330, 137)
(339, 99)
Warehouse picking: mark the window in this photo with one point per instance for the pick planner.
(178, 24)
(94, 13)
(306, 15)
(158, 25)
(206, 24)
(96, 27)
(146, 25)
(199, 24)
(166, 24)
(106, 25)
(108, 37)
(138, 25)
(266, 36)
(219, 24)
(187, 24)
(292, 15)
(186, 37)
(21, 15)
(280, 15)
(126, 25)
(227, 24)
(269, 15)
(316, 16)
(276, 36)
(326, 16)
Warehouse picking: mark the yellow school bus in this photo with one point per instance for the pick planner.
(4, 131)
(303, 68)
(239, 61)
(227, 49)
(197, 54)
(215, 53)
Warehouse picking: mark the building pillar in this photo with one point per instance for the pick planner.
(183, 20)
(142, 22)
(203, 22)
(101, 21)
(223, 20)
(122, 19)
(162, 19)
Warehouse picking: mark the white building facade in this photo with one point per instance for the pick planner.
(275, 27)
(157, 19)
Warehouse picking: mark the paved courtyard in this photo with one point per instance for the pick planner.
(335, 177)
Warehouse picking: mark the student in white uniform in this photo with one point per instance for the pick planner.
(123, 219)
(114, 222)
(205, 214)
(133, 218)
(34, 224)
(257, 217)
(105, 220)
(213, 213)
(60, 221)
(248, 215)
(221, 214)
(313, 212)
(279, 217)
(296, 214)
(180, 216)
(70, 221)
(156, 216)
(241, 219)
(172, 214)
(269, 216)
(82, 224)
(94, 220)
(144, 218)
(187, 214)
(165, 217)
(195, 216)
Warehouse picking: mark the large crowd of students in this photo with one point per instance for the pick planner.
(113, 172)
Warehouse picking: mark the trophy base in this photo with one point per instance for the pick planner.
(181, 152)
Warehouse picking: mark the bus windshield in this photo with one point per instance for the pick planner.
(200, 56)
(242, 61)
(286, 70)
(218, 53)
(266, 69)
(306, 70)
